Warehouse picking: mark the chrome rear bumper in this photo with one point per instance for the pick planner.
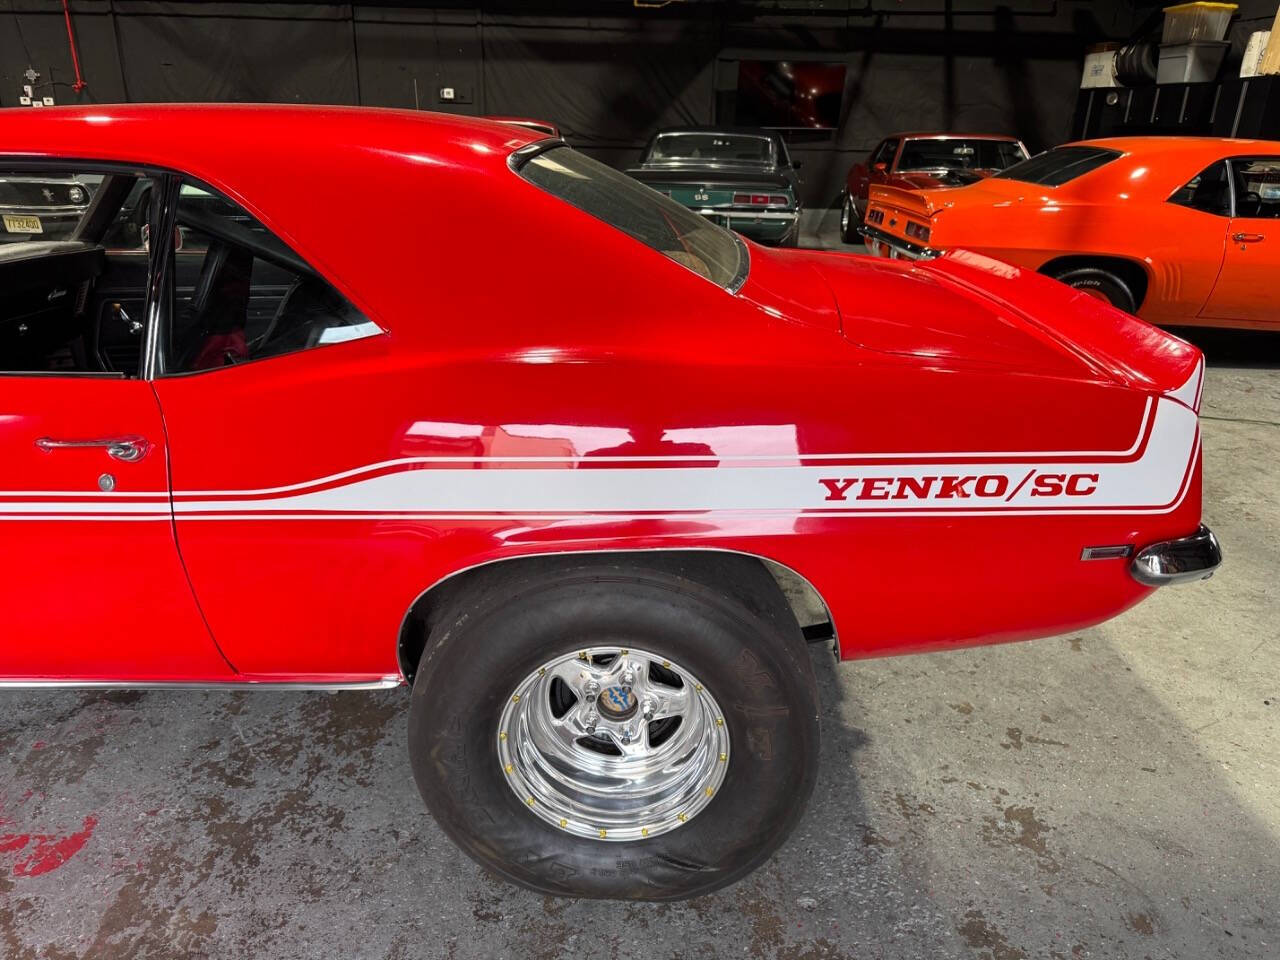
(903, 249)
(1178, 561)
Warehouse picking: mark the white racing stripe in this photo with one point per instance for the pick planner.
(1189, 392)
(1155, 481)
(1150, 478)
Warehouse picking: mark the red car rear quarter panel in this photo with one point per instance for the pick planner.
(293, 587)
(548, 384)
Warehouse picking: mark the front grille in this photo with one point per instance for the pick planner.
(36, 194)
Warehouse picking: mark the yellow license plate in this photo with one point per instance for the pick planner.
(16, 224)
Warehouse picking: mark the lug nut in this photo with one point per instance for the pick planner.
(592, 688)
(628, 734)
(649, 707)
(592, 719)
(628, 676)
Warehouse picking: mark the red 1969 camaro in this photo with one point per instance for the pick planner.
(920, 161)
(257, 432)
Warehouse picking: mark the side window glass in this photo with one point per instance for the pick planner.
(61, 303)
(885, 153)
(127, 232)
(242, 295)
(1209, 191)
(1257, 187)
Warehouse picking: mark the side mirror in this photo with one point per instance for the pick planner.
(880, 167)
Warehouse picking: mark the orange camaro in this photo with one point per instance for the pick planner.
(1179, 230)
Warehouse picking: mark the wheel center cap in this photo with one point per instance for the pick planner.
(618, 702)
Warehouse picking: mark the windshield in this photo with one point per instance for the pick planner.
(656, 221)
(719, 147)
(1059, 166)
(937, 154)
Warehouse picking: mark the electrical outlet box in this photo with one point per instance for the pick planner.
(458, 93)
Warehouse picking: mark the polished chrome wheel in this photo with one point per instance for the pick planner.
(846, 216)
(613, 743)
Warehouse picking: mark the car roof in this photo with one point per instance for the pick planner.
(1191, 147)
(749, 131)
(952, 136)
(180, 135)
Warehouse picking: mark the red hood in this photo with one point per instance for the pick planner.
(973, 309)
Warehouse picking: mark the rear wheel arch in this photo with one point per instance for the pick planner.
(697, 563)
(1133, 273)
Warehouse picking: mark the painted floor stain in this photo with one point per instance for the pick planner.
(46, 852)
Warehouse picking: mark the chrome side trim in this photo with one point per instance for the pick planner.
(1178, 561)
(384, 683)
(912, 251)
(65, 209)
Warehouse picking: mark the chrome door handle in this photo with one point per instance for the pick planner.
(127, 449)
(1247, 237)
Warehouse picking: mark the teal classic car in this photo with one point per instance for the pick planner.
(742, 179)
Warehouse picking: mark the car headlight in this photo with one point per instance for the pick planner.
(76, 195)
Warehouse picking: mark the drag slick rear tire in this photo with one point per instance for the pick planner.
(1102, 284)
(850, 220)
(543, 732)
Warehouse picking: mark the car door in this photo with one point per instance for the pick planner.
(871, 173)
(94, 589)
(1245, 290)
(272, 381)
(883, 163)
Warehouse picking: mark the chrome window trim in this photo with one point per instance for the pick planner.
(158, 308)
(744, 266)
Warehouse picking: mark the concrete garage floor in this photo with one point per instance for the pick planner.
(1112, 793)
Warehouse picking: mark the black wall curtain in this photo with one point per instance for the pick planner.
(606, 85)
(242, 52)
(607, 73)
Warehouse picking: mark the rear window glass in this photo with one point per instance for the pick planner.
(656, 221)
(1056, 167)
(935, 154)
(724, 147)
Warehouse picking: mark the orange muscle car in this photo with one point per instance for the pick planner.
(1178, 230)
